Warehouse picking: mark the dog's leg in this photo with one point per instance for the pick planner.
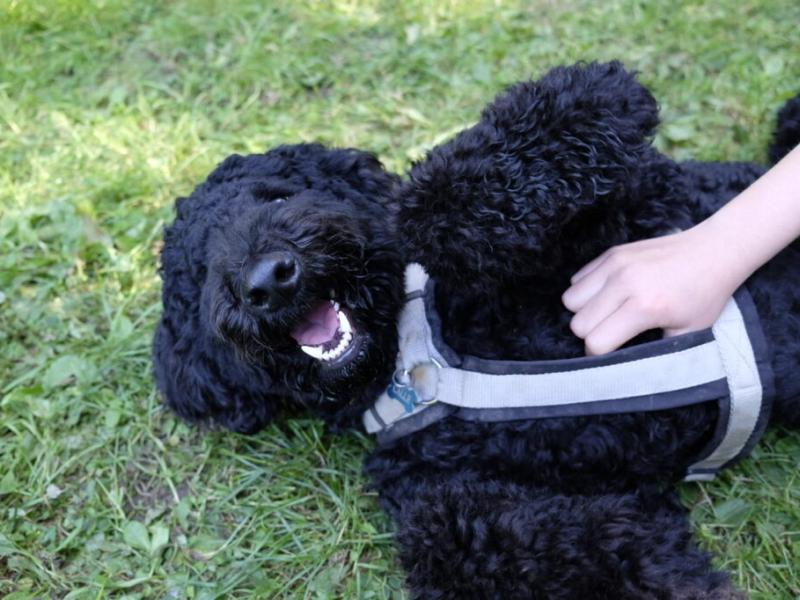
(491, 539)
(555, 171)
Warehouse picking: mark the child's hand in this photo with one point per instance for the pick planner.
(678, 283)
(681, 282)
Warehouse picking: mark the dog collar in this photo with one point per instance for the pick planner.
(727, 363)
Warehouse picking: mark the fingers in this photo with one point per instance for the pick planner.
(581, 292)
(673, 332)
(589, 267)
(622, 325)
(614, 299)
(597, 309)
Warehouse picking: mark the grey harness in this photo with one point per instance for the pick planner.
(727, 363)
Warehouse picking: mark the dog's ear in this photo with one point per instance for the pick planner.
(201, 379)
(204, 382)
(554, 168)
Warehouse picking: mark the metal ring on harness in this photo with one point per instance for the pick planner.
(398, 382)
(433, 400)
(403, 378)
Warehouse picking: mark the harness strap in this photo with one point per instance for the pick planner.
(746, 413)
(416, 357)
(717, 364)
(641, 378)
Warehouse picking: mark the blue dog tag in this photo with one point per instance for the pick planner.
(404, 394)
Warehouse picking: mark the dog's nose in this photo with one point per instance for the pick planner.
(272, 280)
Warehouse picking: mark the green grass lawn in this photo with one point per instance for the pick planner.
(110, 109)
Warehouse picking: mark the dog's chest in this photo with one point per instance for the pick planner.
(513, 324)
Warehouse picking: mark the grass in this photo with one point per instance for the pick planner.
(110, 109)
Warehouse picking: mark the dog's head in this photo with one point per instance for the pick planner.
(302, 278)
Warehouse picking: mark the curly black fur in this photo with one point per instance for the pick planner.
(538, 544)
(555, 172)
(788, 130)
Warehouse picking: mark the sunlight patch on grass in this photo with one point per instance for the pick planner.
(110, 109)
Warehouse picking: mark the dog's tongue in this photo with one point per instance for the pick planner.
(318, 326)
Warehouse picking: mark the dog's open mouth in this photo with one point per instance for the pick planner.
(326, 333)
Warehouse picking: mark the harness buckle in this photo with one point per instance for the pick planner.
(426, 381)
(418, 382)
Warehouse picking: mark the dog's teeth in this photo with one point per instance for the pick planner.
(340, 348)
(344, 323)
(346, 331)
(313, 351)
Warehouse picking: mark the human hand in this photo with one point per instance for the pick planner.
(677, 283)
(681, 282)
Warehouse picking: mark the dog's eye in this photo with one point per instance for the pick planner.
(279, 200)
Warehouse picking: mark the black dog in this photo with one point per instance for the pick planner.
(283, 281)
